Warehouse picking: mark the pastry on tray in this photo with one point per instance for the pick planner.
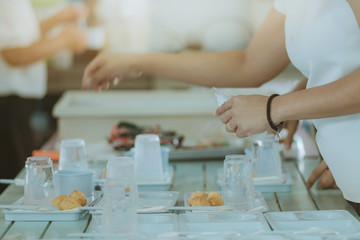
(215, 199)
(64, 202)
(201, 199)
(79, 196)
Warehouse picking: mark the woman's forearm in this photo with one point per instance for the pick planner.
(42, 49)
(207, 69)
(244, 68)
(334, 99)
(48, 24)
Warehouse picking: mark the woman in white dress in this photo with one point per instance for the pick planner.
(319, 37)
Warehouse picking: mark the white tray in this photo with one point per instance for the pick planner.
(205, 153)
(259, 202)
(162, 185)
(159, 185)
(151, 199)
(272, 187)
(56, 215)
(331, 221)
(150, 224)
(241, 222)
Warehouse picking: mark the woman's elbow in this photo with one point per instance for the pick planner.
(14, 59)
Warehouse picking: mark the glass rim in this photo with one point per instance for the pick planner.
(38, 158)
(235, 157)
(73, 142)
(147, 136)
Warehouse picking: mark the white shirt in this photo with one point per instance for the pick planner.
(323, 42)
(20, 28)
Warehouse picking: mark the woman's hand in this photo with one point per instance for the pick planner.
(110, 68)
(291, 127)
(326, 178)
(74, 39)
(72, 13)
(245, 115)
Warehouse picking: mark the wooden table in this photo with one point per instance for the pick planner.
(190, 176)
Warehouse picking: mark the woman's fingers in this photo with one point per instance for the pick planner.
(326, 180)
(316, 173)
(223, 108)
(291, 127)
(90, 70)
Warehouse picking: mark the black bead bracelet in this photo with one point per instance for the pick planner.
(268, 110)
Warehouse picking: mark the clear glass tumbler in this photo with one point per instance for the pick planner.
(147, 155)
(72, 154)
(39, 186)
(120, 168)
(267, 159)
(238, 185)
(119, 207)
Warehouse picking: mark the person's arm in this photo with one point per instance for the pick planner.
(71, 38)
(338, 98)
(66, 15)
(292, 125)
(323, 173)
(246, 115)
(264, 58)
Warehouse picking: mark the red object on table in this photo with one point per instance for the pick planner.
(53, 154)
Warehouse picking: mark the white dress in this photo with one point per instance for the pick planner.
(20, 28)
(323, 42)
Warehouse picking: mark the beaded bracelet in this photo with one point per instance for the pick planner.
(277, 128)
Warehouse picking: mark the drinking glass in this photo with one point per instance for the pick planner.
(267, 160)
(165, 151)
(39, 188)
(238, 186)
(72, 154)
(120, 168)
(119, 207)
(148, 161)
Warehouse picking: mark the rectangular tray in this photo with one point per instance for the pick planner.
(278, 187)
(259, 201)
(151, 199)
(35, 215)
(204, 153)
(163, 185)
(150, 224)
(332, 221)
(241, 222)
(158, 186)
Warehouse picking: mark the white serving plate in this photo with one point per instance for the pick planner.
(150, 224)
(52, 215)
(329, 221)
(150, 199)
(259, 202)
(272, 186)
(241, 222)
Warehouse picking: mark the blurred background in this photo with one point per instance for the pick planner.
(151, 26)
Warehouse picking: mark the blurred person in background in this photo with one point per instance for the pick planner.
(321, 38)
(24, 47)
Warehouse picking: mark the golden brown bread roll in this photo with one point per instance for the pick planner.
(58, 199)
(76, 199)
(79, 196)
(198, 199)
(68, 203)
(215, 199)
